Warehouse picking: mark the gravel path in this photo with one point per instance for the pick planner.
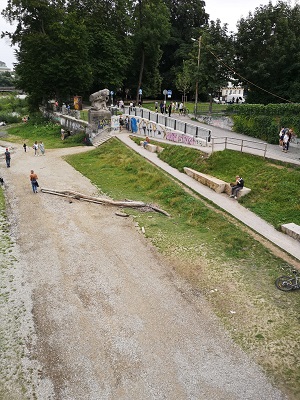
(103, 316)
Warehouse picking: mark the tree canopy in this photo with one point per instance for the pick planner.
(268, 53)
(80, 46)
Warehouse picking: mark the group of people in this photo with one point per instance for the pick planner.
(39, 148)
(285, 136)
(33, 176)
(168, 109)
(123, 122)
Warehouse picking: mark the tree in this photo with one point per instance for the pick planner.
(216, 60)
(7, 79)
(187, 17)
(268, 53)
(109, 27)
(150, 33)
(52, 60)
(183, 79)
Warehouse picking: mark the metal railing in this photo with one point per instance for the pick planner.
(171, 123)
(218, 143)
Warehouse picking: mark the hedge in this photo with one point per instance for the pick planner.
(265, 121)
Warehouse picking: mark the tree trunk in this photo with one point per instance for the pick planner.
(141, 75)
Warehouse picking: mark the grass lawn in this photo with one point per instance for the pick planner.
(214, 253)
(275, 186)
(49, 133)
(201, 107)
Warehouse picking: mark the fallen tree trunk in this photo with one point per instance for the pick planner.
(102, 200)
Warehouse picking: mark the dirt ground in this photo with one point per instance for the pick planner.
(104, 316)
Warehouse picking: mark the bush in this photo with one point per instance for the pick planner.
(264, 121)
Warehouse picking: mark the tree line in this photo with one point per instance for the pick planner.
(80, 46)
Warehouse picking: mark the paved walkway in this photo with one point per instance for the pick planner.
(231, 206)
(273, 151)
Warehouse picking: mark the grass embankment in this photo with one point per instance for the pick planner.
(37, 129)
(217, 257)
(275, 186)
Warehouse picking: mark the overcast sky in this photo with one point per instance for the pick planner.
(228, 11)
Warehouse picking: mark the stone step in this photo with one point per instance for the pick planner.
(99, 140)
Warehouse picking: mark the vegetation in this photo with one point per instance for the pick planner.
(37, 128)
(77, 47)
(7, 78)
(12, 109)
(265, 121)
(267, 51)
(219, 258)
(269, 181)
(202, 107)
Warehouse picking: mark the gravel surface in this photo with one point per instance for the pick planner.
(101, 315)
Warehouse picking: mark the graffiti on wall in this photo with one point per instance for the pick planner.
(180, 138)
(151, 129)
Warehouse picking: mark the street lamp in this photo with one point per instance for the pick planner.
(197, 82)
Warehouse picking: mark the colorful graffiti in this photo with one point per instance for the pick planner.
(180, 138)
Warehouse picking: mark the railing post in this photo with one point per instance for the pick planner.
(212, 145)
(225, 142)
(157, 118)
(175, 122)
(166, 121)
(197, 128)
(265, 152)
(149, 116)
(242, 144)
(185, 127)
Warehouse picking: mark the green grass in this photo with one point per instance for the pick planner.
(202, 107)
(275, 186)
(217, 256)
(48, 132)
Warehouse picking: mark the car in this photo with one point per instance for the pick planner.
(218, 101)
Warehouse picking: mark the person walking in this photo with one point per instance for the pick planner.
(34, 181)
(25, 147)
(35, 148)
(7, 157)
(180, 108)
(42, 148)
(286, 139)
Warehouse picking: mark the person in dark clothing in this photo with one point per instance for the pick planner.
(239, 184)
(170, 109)
(7, 158)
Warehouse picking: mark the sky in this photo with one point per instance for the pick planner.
(228, 11)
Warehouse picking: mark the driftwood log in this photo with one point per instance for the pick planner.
(101, 200)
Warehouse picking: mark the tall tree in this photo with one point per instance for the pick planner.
(187, 17)
(52, 59)
(268, 53)
(211, 67)
(150, 33)
(109, 27)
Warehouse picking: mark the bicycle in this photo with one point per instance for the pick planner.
(287, 283)
(185, 111)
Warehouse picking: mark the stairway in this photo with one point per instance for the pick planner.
(102, 137)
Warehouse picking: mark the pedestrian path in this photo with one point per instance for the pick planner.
(274, 152)
(284, 242)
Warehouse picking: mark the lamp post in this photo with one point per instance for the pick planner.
(197, 81)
